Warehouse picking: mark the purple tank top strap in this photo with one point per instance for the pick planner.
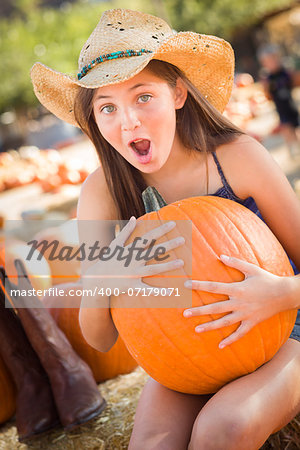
(223, 178)
(226, 186)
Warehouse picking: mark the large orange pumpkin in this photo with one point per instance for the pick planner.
(104, 366)
(164, 342)
(7, 394)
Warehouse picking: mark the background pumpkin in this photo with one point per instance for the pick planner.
(7, 394)
(38, 270)
(62, 271)
(103, 365)
(165, 343)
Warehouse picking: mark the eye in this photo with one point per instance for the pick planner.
(108, 109)
(144, 98)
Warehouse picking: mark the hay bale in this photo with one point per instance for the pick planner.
(288, 438)
(112, 429)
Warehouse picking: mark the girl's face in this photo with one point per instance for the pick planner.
(137, 117)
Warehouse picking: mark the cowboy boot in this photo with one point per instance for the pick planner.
(74, 389)
(36, 411)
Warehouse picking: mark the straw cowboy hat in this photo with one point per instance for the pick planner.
(121, 45)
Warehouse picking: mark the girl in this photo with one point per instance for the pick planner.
(151, 102)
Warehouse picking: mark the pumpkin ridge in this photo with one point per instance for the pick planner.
(147, 367)
(232, 218)
(220, 331)
(160, 359)
(159, 216)
(235, 356)
(217, 220)
(286, 336)
(201, 372)
(230, 214)
(178, 206)
(173, 344)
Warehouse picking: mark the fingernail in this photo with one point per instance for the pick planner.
(188, 284)
(199, 329)
(171, 224)
(224, 257)
(187, 313)
(179, 263)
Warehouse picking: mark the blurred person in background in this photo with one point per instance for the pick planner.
(278, 83)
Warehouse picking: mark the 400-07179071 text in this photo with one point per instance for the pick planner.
(97, 291)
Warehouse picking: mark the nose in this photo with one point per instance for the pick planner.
(129, 120)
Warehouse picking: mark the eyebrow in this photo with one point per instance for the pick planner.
(130, 89)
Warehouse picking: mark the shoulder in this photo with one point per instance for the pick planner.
(247, 165)
(252, 172)
(95, 201)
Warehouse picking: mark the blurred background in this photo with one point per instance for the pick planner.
(43, 161)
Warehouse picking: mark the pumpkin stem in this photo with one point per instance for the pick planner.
(152, 199)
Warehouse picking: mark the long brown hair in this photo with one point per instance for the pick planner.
(199, 125)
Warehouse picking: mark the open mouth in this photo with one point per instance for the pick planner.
(141, 146)
(142, 150)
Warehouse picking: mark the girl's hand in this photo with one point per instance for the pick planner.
(259, 296)
(114, 272)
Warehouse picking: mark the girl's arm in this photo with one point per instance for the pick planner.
(95, 207)
(96, 212)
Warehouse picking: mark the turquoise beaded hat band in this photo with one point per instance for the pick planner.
(121, 46)
(108, 56)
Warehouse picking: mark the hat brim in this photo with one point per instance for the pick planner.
(206, 60)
